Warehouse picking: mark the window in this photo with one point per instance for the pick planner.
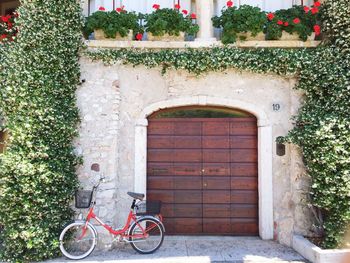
(200, 112)
(142, 6)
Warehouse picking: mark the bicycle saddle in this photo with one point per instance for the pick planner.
(136, 195)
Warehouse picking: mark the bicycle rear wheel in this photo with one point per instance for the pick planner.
(77, 241)
(147, 235)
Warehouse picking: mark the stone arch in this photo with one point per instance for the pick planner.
(264, 150)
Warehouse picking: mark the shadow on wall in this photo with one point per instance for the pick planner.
(7, 7)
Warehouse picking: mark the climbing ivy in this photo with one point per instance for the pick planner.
(39, 74)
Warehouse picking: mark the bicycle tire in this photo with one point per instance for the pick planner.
(75, 243)
(157, 229)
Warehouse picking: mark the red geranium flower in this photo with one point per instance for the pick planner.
(317, 30)
(3, 36)
(193, 16)
(155, 6)
(229, 3)
(177, 6)
(185, 12)
(280, 22)
(120, 9)
(139, 36)
(286, 24)
(296, 21)
(5, 19)
(317, 4)
(270, 16)
(306, 9)
(102, 8)
(314, 10)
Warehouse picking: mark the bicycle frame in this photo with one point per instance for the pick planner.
(117, 232)
(121, 232)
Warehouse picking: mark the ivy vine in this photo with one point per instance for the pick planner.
(39, 74)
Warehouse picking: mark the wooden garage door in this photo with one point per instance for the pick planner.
(204, 170)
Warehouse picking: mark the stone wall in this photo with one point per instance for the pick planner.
(113, 97)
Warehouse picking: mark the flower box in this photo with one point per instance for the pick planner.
(249, 37)
(166, 37)
(295, 37)
(100, 35)
(317, 255)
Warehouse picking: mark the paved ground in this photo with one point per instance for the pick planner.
(202, 249)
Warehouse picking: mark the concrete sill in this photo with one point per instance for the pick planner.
(198, 44)
(317, 255)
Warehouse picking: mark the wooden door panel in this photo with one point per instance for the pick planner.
(244, 196)
(206, 174)
(243, 142)
(160, 142)
(244, 183)
(217, 225)
(167, 210)
(216, 210)
(183, 225)
(186, 155)
(216, 128)
(244, 169)
(216, 196)
(163, 195)
(244, 226)
(244, 210)
(160, 155)
(188, 128)
(188, 183)
(216, 142)
(159, 169)
(188, 197)
(216, 156)
(172, 169)
(243, 128)
(159, 128)
(216, 169)
(160, 182)
(187, 142)
(188, 210)
(216, 183)
(244, 155)
(186, 169)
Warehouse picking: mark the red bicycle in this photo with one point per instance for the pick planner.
(144, 229)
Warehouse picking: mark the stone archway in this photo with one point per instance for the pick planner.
(264, 150)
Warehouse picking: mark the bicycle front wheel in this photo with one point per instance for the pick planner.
(147, 235)
(78, 240)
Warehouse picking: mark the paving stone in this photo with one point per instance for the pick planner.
(194, 249)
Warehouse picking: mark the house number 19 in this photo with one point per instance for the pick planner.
(276, 107)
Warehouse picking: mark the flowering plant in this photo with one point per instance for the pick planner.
(7, 29)
(170, 21)
(235, 20)
(302, 20)
(115, 22)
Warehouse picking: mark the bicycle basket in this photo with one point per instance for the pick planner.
(83, 198)
(148, 208)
